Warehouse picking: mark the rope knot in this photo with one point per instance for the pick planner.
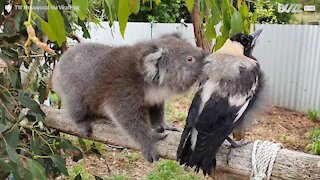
(264, 154)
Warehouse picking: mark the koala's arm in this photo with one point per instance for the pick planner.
(157, 118)
(157, 115)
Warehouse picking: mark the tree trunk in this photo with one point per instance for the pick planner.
(200, 39)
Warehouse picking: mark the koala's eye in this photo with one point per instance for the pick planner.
(191, 59)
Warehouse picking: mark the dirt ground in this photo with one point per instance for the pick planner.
(274, 124)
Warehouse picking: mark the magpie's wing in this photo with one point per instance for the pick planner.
(184, 148)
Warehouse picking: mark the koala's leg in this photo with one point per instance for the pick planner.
(135, 124)
(157, 119)
(79, 112)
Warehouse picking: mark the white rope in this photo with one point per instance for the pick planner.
(263, 156)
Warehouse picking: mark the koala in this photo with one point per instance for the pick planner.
(127, 84)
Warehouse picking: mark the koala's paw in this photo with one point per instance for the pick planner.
(163, 126)
(150, 154)
(85, 128)
(156, 136)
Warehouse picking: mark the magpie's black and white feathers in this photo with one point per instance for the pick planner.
(234, 81)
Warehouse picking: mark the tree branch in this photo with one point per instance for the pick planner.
(288, 165)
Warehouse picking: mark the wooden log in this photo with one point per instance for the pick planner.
(288, 165)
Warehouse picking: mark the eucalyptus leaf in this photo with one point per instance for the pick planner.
(12, 137)
(56, 22)
(36, 169)
(215, 14)
(59, 163)
(86, 33)
(81, 7)
(210, 31)
(135, 6)
(123, 15)
(3, 128)
(26, 101)
(236, 23)
(12, 154)
(46, 28)
(190, 4)
(244, 10)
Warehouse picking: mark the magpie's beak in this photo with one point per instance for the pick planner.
(255, 36)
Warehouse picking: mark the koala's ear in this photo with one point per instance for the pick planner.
(154, 64)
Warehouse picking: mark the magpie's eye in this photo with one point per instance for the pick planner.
(191, 59)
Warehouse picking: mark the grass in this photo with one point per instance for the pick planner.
(313, 114)
(177, 108)
(314, 134)
(171, 170)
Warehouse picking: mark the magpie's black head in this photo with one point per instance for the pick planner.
(247, 41)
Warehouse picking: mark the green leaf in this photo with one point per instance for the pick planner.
(67, 146)
(246, 26)
(215, 14)
(254, 17)
(86, 33)
(123, 15)
(210, 31)
(12, 137)
(34, 145)
(36, 170)
(111, 9)
(158, 2)
(56, 22)
(220, 40)
(42, 89)
(2, 4)
(81, 7)
(78, 177)
(3, 128)
(11, 167)
(236, 23)
(12, 154)
(244, 10)
(46, 28)
(190, 4)
(134, 6)
(60, 164)
(30, 103)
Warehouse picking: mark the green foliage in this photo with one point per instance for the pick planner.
(313, 114)
(233, 19)
(168, 11)
(80, 172)
(29, 150)
(168, 169)
(314, 135)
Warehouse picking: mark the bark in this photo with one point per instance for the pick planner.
(200, 39)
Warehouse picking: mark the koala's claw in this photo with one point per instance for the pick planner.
(151, 155)
(85, 129)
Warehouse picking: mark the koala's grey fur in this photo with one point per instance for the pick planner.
(127, 84)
